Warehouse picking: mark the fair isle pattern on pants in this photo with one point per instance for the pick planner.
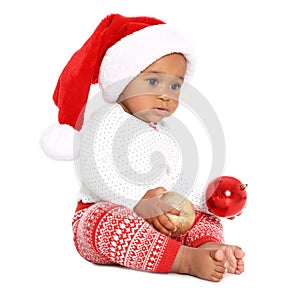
(205, 228)
(106, 233)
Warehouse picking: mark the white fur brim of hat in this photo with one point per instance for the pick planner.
(131, 55)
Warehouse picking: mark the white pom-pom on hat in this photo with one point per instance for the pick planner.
(61, 142)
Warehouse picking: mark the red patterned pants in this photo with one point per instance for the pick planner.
(106, 233)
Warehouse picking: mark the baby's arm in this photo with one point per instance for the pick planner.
(154, 210)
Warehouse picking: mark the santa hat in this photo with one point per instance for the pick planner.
(119, 48)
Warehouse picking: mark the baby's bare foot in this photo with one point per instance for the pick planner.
(234, 256)
(207, 264)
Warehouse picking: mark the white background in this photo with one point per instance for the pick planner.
(248, 69)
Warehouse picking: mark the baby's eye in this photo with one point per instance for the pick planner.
(175, 86)
(152, 81)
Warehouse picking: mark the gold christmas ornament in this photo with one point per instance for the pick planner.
(187, 217)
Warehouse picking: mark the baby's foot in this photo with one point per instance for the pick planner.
(207, 264)
(234, 256)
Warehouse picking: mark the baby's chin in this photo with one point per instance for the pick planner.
(150, 117)
(149, 120)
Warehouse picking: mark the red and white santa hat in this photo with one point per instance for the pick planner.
(119, 48)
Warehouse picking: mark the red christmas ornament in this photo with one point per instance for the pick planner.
(226, 196)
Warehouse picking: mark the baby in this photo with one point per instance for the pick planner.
(120, 218)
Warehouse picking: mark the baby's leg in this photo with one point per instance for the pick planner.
(207, 264)
(233, 254)
(106, 233)
(205, 228)
(207, 232)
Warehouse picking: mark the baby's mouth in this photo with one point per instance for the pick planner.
(162, 108)
(161, 111)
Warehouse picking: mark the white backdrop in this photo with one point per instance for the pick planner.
(249, 62)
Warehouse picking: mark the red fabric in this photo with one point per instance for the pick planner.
(106, 233)
(205, 228)
(81, 205)
(82, 70)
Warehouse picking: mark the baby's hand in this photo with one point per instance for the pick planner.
(153, 210)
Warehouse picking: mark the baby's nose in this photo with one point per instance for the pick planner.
(164, 97)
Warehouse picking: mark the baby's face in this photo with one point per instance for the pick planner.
(153, 94)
